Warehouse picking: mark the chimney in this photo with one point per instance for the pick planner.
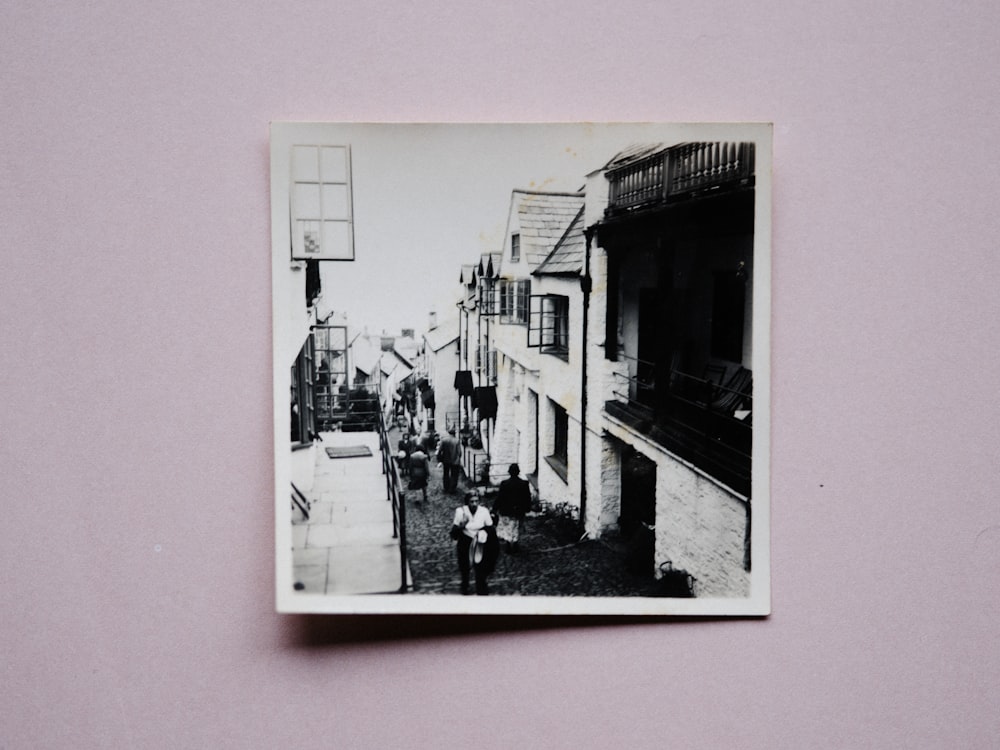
(432, 320)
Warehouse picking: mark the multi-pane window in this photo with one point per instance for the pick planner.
(487, 296)
(515, 248)
(303, 419)
(321, 203)
(514, 296)
(548, 324)
(330, 358)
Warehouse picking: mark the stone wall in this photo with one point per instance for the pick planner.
(700, 524)
(700, 528)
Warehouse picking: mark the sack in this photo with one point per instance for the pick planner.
(455, 533)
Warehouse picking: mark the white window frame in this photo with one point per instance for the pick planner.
(316, 225)
(514, 295)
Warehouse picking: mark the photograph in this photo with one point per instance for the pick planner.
(521, 368)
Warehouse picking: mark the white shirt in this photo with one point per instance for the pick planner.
(472, 522)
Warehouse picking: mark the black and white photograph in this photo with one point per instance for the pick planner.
(521, 368)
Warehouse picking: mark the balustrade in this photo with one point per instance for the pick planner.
(680, 171)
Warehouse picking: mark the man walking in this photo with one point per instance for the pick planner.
(449, 454)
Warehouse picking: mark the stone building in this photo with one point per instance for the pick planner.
(535, 344)
(670, 250)
(616, 328)
(440, 362)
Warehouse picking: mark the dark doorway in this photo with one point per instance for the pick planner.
(638, 509)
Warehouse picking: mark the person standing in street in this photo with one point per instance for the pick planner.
(449, 454)
(512, 504)
(420, 470)
(477, 548)
(404, 447)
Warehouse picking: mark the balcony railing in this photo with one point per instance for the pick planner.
(699, 420)
(678, 172)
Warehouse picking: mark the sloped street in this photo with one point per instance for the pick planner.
(551, 560)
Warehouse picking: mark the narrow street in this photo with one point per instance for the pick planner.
(549, 561)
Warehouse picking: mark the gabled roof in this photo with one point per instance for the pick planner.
(489, 265)
(389, 362)
(364, 356)
(441, 336)
(567, 256)
(406, 348)
(467, 276)
(443, 333)
(543, 219)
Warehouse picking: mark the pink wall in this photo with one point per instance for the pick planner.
(137, 540)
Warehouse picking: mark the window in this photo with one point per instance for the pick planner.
(515, 248)
(303, 420)
(514, 297)
(548, 324)
(487, 296)
(330, 358)
(560, 440)
(321, 204)
(486, 362)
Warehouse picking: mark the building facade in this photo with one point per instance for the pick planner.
(670, 250)
(615, 326)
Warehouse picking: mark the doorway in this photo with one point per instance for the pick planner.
(637, 517)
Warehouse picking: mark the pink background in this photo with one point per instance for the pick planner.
(136, 467)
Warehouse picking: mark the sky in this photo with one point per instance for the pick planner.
(429, 198)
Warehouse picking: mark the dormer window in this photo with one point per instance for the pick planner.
(515, 248)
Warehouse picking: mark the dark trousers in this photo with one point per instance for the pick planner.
(450, 478)
(464, 565)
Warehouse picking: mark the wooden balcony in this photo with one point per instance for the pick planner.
(679, 172)
(695, 419)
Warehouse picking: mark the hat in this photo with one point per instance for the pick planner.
(478, 545)
(514, 470)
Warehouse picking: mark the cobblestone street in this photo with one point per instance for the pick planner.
(549, 561)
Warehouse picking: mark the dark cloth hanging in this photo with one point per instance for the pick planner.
(486, 402)
(463, 382)
(427, 398)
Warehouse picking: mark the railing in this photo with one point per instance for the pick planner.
(680, 171)
(394, 493)
(300, 501)
(695, 418)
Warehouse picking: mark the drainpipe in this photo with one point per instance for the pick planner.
(586, 283)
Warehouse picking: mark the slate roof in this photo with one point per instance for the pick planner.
(443, 334)
(567, 256)
(543, 219)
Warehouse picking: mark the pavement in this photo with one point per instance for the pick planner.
(347, 545)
